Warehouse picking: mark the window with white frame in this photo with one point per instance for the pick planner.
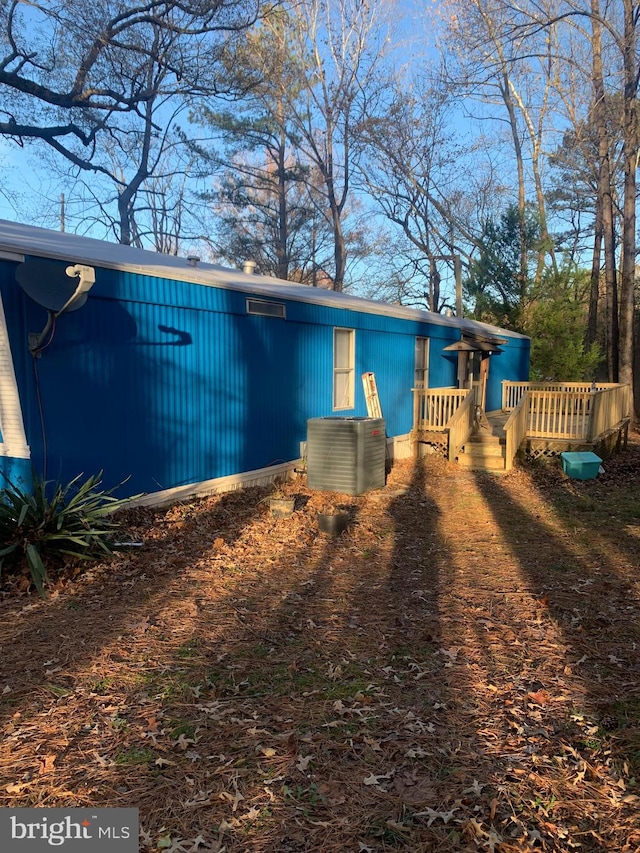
(344, 348)
(421, 376)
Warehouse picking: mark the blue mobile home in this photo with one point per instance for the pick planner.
(187, 377)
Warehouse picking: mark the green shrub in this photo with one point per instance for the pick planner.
(39, 528)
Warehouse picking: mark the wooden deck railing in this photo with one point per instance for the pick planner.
(461, 425)
(552, 412)
(559, 414)
(562, 411)
(515, 430)
(512, 391)
(608, 409)
(433, 408)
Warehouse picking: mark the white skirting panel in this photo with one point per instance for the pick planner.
(399, 448)
(259, 477)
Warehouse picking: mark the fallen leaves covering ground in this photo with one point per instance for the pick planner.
(459, 670)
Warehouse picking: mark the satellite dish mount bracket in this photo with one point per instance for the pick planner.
(87, 277)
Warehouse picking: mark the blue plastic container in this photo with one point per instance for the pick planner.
(581, 466)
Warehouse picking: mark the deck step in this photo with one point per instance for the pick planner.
(479, 463)
(486, 436)
(487, 446)
(483, 453)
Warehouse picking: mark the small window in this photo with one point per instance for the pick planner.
(266, 309)
(421, 377)
(343, 368)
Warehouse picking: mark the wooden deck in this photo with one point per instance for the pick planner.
(537, 419)
(534, 446)
(497, 421)
(549, 419)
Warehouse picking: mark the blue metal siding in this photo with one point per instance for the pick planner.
(443, 366)
(511, 364)
(393, 366)
(170, 383)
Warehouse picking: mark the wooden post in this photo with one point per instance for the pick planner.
(484, 375)
(457, 271)
(416, 413)
(463, 368)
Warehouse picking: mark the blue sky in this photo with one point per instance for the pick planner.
(25, 185)
(30, 193)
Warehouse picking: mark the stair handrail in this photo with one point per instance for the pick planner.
(515, 430)
(460, 425)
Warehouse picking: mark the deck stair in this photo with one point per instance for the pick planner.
(485, 449)
(536, 419)
(483, 452)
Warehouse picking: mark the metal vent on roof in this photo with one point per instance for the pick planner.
(266, 309)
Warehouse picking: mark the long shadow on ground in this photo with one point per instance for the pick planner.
(586, 663)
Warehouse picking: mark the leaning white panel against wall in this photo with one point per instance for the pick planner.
(15, 456)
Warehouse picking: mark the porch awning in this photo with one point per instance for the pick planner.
(459, 346)
(485, 346)
(473, 346)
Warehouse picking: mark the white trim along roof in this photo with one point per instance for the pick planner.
(27, 239)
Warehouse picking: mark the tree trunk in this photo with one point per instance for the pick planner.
(591, 335)
(605, 205)
(282, 254)
(630, 131)
(435, 280)
(603, 187)
(610, 272)
(636, 359)
(126, 197)
(546, 241)
(517, 147)
(328, 173)
(340, 251)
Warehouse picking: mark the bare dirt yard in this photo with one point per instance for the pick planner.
(458, 671)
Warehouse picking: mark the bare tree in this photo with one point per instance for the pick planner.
(486, 64)
(340, 45)
(605, 211)
(85, 79)
(587, 178)
(424, 176)
(140, 189)
(262, 190)
(614, 28)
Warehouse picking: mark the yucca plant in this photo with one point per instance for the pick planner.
(39, 527)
